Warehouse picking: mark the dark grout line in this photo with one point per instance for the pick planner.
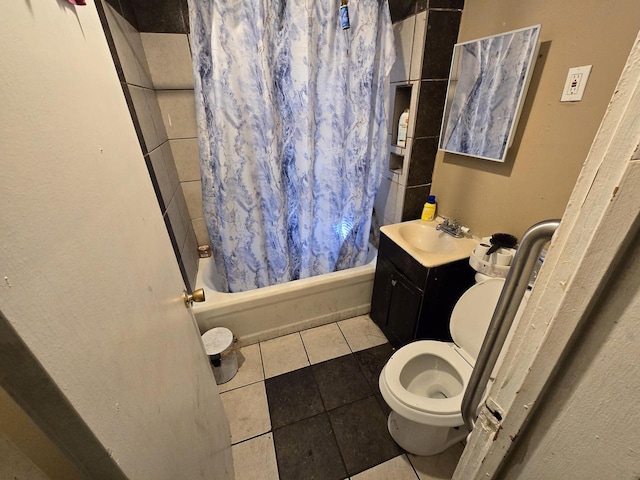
(305, 349)
(238, 388)
(251, 438)
(345, 338)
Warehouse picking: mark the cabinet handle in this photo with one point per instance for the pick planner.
(394, 283)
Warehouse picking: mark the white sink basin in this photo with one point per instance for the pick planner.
(427, 245)
(423, 236)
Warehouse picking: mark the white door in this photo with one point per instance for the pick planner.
(564, 403)
(96, 342)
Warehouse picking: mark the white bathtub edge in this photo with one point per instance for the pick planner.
(262, 314)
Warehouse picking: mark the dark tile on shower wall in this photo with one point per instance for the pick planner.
(123, 7)
(414, 199)
(401, 9)
(172, 235)
(423, 157)
(161, 16)
(112, 46)
(442, 34)
(134, 117)
(115, 4)
(430, 108)
(126, 10)
(185, 277)
(185, 14)
(458, 4)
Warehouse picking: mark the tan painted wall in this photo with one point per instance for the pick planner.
(18, 428)
(553, 138)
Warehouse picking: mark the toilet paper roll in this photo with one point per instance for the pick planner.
(502, 257)
(481, 251)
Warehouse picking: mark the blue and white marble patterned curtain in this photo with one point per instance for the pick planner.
(293, 132)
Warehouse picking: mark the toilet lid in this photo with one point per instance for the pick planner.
(472, 315)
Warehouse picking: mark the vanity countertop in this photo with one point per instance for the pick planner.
(430, 247)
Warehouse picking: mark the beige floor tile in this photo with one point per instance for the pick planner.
(249, 369)
(255, 459)
(397, 468)
(283, 354)
(438, 467)
(324, 343)
(361, 333)
(247, 411)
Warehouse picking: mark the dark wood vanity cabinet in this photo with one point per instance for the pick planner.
(413, 302)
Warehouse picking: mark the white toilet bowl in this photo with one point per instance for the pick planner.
(424, 382)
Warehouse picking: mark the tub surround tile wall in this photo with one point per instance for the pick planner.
(130, 59)
(179, 113)
(185, 154)
(161, 16)
(169, 59)
(125, 9)
(442, 33)
(425, 32)
(409, 41)
(438, 48)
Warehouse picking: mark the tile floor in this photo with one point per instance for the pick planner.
(307, 406)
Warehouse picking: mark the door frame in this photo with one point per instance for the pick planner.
(600, 223)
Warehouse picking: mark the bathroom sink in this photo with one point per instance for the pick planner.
(424, 237)
(427, 245)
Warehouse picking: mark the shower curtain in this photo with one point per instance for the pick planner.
(292, 126)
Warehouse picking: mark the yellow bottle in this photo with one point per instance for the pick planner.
(429, 210)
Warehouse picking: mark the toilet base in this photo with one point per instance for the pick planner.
(423, 440)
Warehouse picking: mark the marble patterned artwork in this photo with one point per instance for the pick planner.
(487, 85)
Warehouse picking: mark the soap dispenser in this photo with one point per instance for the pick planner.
(403, 128)
(429, 210)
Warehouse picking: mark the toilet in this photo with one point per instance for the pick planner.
(424, 382)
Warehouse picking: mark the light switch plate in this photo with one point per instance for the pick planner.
(575, 84)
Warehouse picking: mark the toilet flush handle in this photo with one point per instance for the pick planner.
(196, 296)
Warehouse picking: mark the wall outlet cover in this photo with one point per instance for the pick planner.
(575, 84)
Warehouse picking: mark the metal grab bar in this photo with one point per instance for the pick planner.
(514, 288)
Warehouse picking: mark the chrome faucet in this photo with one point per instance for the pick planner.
(453, 228)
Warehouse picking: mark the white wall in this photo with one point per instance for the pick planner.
(89, 278)
(586, 427)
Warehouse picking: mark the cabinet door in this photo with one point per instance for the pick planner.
(404, 310)
(381, 297)
(395, 304)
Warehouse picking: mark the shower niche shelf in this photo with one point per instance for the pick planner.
(403, 96)
(396, 162)
(401, 102)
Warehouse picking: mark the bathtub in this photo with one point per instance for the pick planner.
(269, 312)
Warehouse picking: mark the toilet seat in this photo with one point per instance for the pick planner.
(432, 411)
